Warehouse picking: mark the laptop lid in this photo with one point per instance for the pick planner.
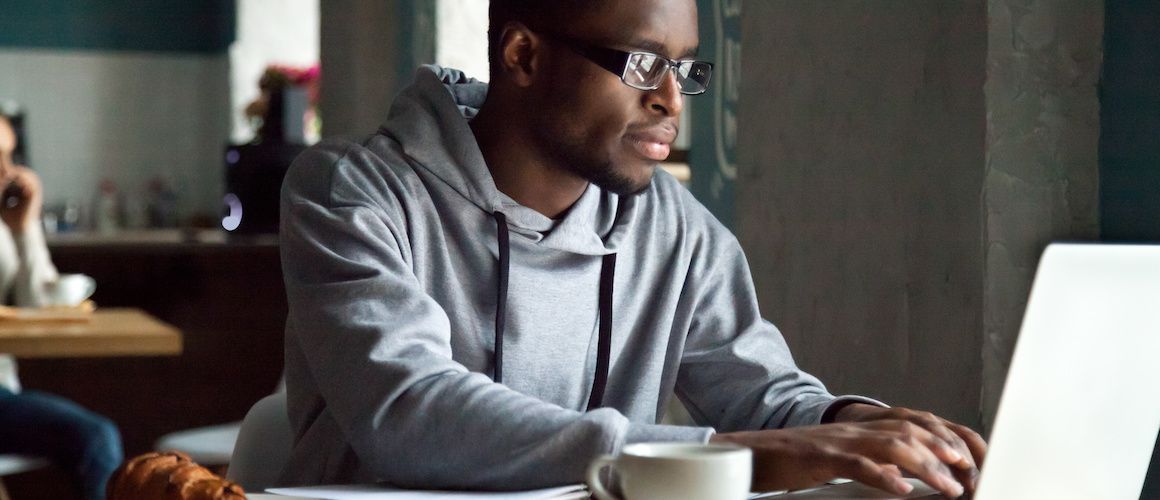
(1081, 407)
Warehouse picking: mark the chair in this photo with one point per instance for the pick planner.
(15, 464)
(211, 446)
(263, 445)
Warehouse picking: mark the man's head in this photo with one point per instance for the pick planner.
(549, 59)
(530, 13)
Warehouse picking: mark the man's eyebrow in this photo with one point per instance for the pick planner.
(658, 48)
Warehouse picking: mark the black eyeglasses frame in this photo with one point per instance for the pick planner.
(616, 62)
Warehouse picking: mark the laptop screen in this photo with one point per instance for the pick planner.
(1081, 408)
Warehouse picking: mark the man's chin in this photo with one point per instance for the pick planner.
(625, 185)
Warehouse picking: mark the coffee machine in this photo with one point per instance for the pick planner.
(254, 171)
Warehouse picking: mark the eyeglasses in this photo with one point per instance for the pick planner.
(644, 70)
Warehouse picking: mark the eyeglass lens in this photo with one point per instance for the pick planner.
(645, 71)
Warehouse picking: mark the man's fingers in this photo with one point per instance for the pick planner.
(941, 428)
(913, 452)
(893, 469)
(941, 453)
(951, 448)
(969, 478)
(937, 444)
(950, 455)
(974, 442)
(866, 471)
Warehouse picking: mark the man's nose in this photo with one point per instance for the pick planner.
(666, 99)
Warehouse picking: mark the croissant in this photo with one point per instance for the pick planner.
(170, 475)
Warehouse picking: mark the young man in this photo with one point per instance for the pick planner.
(498, 286)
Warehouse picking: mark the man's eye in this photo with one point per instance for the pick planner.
(647, 62)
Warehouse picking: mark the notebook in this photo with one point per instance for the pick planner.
(384, 492)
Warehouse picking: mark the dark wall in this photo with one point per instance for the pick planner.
(1130, 119)
(172, 26)
(1130, 138)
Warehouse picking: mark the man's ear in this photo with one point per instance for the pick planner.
(520, 53)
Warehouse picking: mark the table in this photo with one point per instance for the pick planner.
(225, 295)
(110, 332)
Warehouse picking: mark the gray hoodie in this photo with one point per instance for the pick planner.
(390, 252)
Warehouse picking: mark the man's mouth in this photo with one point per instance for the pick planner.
(656, 151)
(654, 144)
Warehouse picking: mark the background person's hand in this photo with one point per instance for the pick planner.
(965, 441)
(22, 210)
(875, 453)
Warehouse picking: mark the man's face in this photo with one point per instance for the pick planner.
(589, 121)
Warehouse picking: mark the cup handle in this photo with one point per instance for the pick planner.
(593, 475)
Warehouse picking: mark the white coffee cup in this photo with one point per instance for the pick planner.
(665, 471)
(69, 290)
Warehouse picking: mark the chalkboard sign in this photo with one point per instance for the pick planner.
(713, 153)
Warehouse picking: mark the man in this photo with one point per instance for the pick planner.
(498, 287)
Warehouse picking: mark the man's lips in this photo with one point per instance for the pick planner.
(653, 143)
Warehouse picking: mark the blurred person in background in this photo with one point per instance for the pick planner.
(79, 441)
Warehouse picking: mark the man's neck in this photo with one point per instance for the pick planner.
(520, 171)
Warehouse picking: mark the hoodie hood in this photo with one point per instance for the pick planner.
(430, 120)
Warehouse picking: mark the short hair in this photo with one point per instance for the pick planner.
(536, 14)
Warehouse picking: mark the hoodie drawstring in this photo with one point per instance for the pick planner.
(604, 345)
(501, 293)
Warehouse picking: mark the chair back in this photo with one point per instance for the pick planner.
(264, 444)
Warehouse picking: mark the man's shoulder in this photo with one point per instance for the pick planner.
(374, 152)
(342, 172)
(374, 165)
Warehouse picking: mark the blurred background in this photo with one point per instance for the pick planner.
(893, 169)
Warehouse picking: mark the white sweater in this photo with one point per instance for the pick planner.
(25, 267)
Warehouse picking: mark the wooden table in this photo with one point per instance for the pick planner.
(110, 332)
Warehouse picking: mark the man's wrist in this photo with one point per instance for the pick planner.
(846, 411)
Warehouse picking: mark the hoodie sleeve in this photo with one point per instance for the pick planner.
(737, 372)
(377, 349)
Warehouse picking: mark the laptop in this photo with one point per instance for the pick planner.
(1080, 410)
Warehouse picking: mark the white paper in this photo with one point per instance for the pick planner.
(383, 492)
(846, 489)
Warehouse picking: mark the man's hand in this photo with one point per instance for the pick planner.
(966, 442)
(20, 211)
(874, 451)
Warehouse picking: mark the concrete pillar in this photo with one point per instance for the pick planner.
(1042, 167)
(358, 64)
(369, 50)
(902, 165)
(860, 172)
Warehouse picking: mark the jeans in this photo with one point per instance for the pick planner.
(79, 441)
